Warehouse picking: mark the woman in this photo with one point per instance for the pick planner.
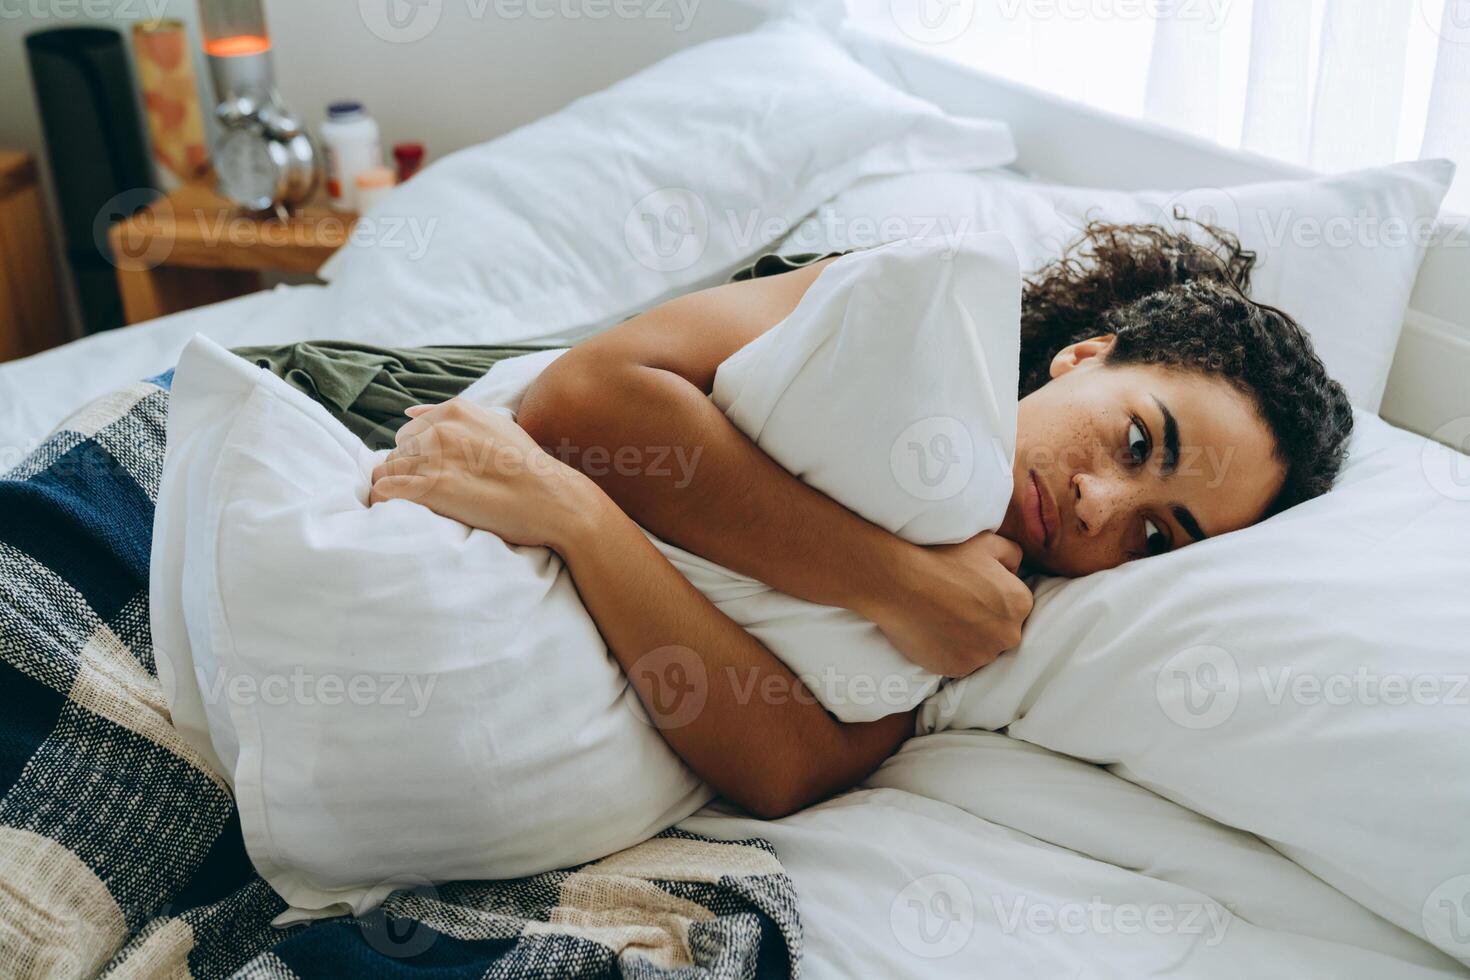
(1158, 406)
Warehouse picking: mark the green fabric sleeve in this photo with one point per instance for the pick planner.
(367, 388)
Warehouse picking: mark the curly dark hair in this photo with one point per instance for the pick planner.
(1174, 300)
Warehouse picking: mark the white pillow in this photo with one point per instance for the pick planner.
(891, 388)
(634, 193)
(889, 351)
(513, 743)
(1304, 679)
(1340, 254)
(390, 693)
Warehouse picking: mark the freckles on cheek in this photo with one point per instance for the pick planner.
(1074, 443)
(1038, 454)
(1062, 436)
(1041, 450)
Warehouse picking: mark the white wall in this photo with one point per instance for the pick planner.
(448, 73)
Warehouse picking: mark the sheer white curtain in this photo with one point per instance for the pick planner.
(1329, 84)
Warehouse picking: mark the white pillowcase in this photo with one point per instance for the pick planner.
(891, 388)
(1340, 253)
(512, 743)
(1306, 679)
(890, 352)
(390, 693)
(635, 193)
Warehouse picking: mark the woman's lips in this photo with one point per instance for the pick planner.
(1040, 513)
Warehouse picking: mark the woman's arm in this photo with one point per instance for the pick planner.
(740, 719)
(644, 385)
(759, 738)
(642, 389)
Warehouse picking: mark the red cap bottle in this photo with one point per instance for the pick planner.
(410, 156)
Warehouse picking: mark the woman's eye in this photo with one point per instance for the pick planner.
(1155, 540)
(1137, 443)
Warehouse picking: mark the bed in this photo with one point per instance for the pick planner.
(970, 849)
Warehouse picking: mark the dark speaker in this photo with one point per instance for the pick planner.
(99, 160)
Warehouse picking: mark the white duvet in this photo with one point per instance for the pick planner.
(970, 853)
(395, 696)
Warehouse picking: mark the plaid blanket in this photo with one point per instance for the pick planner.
(121, 854)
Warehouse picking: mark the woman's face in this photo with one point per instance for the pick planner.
(1116, 463)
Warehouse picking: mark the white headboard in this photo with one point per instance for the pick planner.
(1429, 387)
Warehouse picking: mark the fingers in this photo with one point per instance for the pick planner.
(397, 488)
(420, 437)
(422, 418)
(411, 429)
(1006, 551)
(449, 407)
(422, 422)
(1003, 550)
(396, 465)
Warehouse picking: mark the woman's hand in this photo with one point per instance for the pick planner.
(478, 467)
(957, 607)
(772, 754)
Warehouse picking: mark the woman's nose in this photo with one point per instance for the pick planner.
(1096, 500)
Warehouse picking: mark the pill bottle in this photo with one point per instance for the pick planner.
(350, 138)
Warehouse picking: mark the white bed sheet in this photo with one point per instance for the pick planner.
(971, 853)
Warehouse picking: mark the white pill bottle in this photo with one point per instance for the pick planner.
(350, 138)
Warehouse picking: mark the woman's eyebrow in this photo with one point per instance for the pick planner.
(1186, 520)
(1171, 444)
(1181, 513)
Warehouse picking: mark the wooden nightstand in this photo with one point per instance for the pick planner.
(193, 247)
(30, 304)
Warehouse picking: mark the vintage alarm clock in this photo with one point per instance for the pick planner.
(264, 161)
